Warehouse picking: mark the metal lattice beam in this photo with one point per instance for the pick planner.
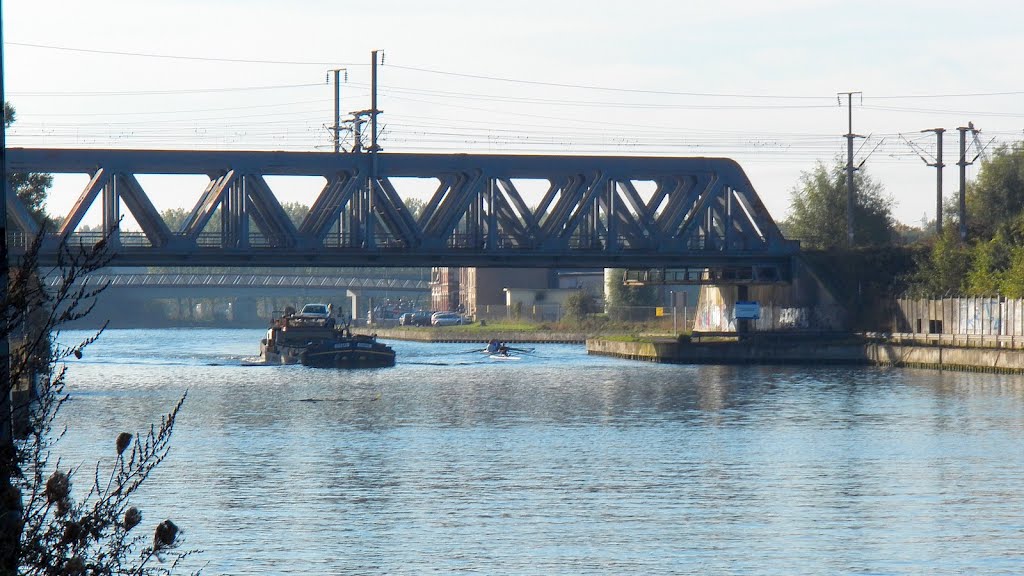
(702, 211)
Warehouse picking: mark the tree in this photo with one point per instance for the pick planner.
(818, 209)
(46, 528)
(415, 206)
(174, 217)
(30, 188)
(1012, 279)
(943, 270)
(579, 304)
(296, 211)
(996, 198)
(988, 260)
(624, 302)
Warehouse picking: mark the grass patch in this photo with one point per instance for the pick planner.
(495, 326)
(602, 328)
(624, 338)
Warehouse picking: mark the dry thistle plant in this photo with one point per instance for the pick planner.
(56, 520)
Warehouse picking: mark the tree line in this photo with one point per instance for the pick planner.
(988, 262)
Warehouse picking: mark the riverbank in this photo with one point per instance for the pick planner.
(453, 334)
(855, 350)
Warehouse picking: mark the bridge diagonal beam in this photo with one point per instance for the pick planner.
(757, 215)
(626, 223)
(444, 185)
(22, 218)
(646, 225)
(564, 204)
(452, 207)
(266, 229)
(663, 186)
(749, 221)
(507, 221)
(556, 205)
(201, 213)
(268, 214)
(683, 197)
(135, 198)
(702, 219)
(581, 201)
(740, 231)
(327, 208)
(529, 220)
(395, 216)
(556, 186)
(92, 189)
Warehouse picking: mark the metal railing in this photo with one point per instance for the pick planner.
(252, 280)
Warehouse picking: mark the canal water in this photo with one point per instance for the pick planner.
(560, 462)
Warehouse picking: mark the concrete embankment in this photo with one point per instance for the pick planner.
(814, 352)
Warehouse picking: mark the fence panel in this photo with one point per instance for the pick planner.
(986, 317)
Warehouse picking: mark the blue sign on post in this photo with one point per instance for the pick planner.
(747, 310)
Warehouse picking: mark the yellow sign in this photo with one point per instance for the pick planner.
(659, 311)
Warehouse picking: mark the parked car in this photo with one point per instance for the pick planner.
(420, 318)
(315, 311)
(445, 319)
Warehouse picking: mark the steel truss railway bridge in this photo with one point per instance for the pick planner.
(690, 219)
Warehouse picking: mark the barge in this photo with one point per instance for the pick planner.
(313, 338)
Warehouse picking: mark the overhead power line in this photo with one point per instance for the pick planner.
(605, 88)
(697, 94)
(576, 102)
(420, 69)
(121, 113)
(165, 92)
(181, 57)
(936, 111)
(960, 95)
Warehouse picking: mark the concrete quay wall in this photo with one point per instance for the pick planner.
(815, 352)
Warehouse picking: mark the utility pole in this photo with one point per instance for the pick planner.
(374, 148)
(357, 132)
(963, 164)
(938, 177)
(373, 109)
(336, 131)
(849, 165)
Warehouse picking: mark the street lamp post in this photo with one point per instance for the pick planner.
(672, 300)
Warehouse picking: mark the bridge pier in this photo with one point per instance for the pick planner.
(244, 311)
(353, 300)
(742, 295)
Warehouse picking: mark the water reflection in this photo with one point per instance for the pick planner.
(565, 463)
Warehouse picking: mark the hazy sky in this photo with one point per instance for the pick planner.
(752, 80)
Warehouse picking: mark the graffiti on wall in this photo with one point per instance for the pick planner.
(721, 318)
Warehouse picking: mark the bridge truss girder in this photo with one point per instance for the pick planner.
(701, 212)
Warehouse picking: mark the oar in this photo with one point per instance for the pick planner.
(523, 350)
(476, 351)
